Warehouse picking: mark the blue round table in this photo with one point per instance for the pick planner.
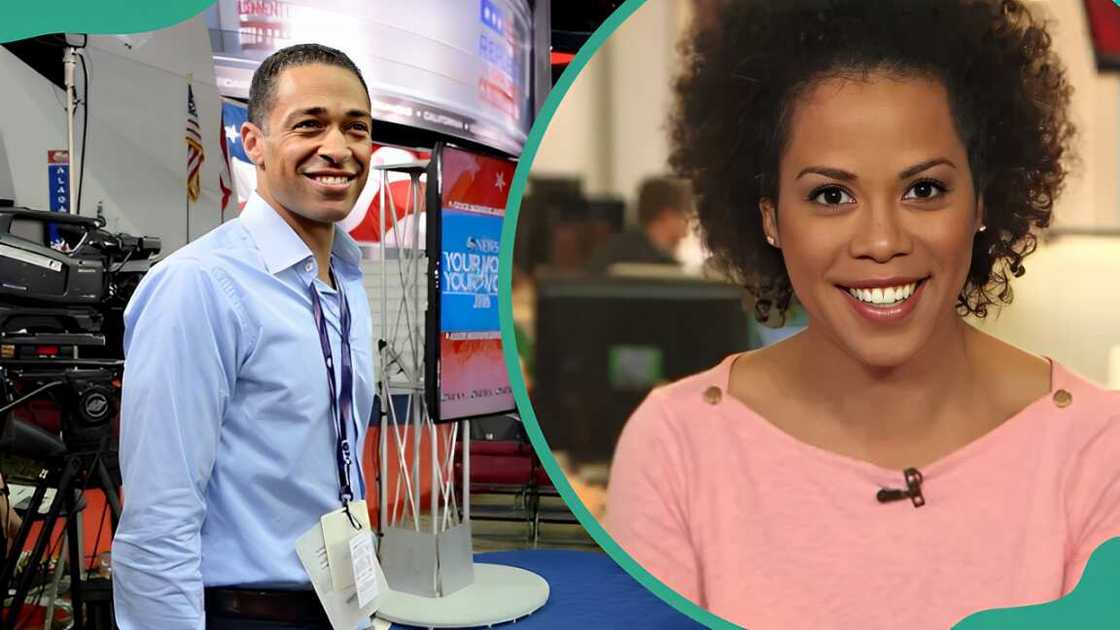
(587, 590)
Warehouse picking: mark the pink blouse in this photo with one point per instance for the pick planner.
(770, 532)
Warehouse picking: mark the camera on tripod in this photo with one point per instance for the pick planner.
(64, 284)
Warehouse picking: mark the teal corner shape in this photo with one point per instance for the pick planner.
(1094, 604)
(21, 19)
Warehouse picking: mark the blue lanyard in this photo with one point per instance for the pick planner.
(342, 402)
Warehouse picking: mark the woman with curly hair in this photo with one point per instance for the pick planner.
(890, 466)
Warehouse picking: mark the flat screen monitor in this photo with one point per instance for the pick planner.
(602, 343)
(466, 373)
(462, 68)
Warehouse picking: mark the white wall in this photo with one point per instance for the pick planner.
(32, 121)
(641, 95)
(1091, 196)
(136, 155)
(610, 128)
(1067, 307)
(574, 144)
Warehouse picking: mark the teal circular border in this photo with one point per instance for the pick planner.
(1092, 605)
(509, 342)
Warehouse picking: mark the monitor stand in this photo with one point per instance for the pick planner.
(498, 594)
(425, 546)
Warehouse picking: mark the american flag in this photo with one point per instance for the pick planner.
(223, 174)
(196, 155)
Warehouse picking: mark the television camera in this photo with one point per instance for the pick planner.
(64, 283)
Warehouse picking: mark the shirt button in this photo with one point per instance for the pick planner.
(713, 395)
(308, 266)
(1063, 398)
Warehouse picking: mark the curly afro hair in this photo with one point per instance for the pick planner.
(745, 65)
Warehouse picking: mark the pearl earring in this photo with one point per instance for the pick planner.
(982, 228)
(770, 239)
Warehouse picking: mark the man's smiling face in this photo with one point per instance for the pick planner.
(313, 153)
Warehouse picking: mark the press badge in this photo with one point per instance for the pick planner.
(342, 607)
(338, 531)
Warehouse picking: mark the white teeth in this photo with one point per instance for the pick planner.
(885, 296)
(324, 179)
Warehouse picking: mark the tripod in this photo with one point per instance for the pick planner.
(70, 472)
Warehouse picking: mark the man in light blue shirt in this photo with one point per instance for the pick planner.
(230, 441)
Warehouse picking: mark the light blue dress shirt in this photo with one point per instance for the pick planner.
(227, 442)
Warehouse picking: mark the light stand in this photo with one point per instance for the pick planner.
(69, 61)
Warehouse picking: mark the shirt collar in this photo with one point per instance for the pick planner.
(281, 247)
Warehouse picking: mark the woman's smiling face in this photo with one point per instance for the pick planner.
(876, 213)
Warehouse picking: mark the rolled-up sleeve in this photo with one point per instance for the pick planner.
(184, 332)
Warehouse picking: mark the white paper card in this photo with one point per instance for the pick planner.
(365, 567)
(342, 607)
(337, 532)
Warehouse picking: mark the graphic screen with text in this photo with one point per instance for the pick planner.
(472, 373)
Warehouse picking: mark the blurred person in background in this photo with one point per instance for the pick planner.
(664, 207)
(890, 466)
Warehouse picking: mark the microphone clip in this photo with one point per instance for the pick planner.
(913, 490)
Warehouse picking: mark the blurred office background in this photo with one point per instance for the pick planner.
(593, 346)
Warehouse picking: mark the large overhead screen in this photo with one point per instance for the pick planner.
(462, 68)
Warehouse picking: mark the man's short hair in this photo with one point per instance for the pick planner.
(262, 91)
(657, 194)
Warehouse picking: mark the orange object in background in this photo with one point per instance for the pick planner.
(97, 537)
(33, 617)
(371, 467)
